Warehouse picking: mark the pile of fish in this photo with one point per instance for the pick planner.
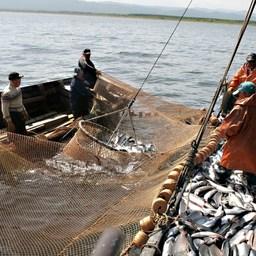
(126, 143)
(216, 215)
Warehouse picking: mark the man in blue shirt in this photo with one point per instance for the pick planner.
(81, 95)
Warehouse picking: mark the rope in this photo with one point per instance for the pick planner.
(160, 54)
(133, 127)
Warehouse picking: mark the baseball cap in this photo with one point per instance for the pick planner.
(248, 87)
(87, 51)
(251, 57)
(14, 76)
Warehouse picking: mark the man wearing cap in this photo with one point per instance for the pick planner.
(89, 70)
(13, 109)
(247, 72)
(81, 95)
(239, 128)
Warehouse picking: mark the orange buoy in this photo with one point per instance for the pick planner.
(174, 175)
(169, 184)
(147, 224)
(212, 144)
(206, 151)
(199, 158)
(165, 194)
(178, 167)
(159, 206)
(140, 239)
(215, 135)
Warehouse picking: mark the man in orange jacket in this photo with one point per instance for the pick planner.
(247, 72)
(239, 128)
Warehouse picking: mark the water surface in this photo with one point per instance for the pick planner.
(45, 47)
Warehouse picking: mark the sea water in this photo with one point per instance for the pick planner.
(46, 47)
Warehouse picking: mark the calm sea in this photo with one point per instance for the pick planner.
(45, 47)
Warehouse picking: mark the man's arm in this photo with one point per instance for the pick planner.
(234, 83)
(5, 104)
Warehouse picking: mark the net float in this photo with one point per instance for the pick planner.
(169, 184)
(140, 239)
(174, 175)
(165, 194)
(178, 167)
(159, 206)
(147, 224)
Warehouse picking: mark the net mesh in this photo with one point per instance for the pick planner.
(56, 198)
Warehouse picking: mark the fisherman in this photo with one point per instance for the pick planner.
(247, 72)
(13, 109)
(239, 128)
(81, 94)
(90, 72)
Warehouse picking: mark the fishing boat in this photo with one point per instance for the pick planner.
(48, 104)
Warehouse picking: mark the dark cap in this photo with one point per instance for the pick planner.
(14, 76)
(87, 51)
(251, 57)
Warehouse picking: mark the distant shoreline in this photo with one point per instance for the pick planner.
(142, 16)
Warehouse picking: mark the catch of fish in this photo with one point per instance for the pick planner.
(126, 143)
(216, 214)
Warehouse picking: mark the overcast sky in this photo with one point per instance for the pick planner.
(213, 4)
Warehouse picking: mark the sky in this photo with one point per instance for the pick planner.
(237, 5)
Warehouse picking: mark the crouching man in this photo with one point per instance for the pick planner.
(13, 110)
(239, 128)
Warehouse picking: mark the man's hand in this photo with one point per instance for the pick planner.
(10, 125)
(231, 89)
(98, 72)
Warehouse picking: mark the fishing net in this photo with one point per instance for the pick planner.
(57, 198)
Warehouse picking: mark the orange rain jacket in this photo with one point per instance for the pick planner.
(242, 75)
(239, 127)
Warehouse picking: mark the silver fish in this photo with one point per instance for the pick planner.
(209, 194)
(198, 242)
(252, 252)
(204, 250)
(203, 234)
(181, 245)
(202, 189)
(239, 237)
(215, 251)
(226, 248)
(243, 249)
(220, 188)
(192, 186)
(168, 246)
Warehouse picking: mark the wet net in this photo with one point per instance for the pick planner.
(57, 198)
